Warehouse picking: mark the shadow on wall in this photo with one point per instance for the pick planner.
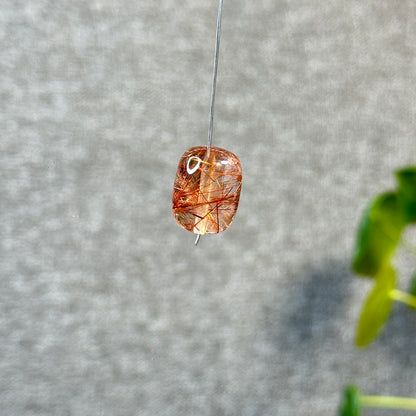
(315, 305)
(399, 338)
(315, 313)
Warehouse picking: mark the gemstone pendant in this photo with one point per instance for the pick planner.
(206, 190)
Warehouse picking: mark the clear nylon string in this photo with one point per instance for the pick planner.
(214, 85)
(214, 77)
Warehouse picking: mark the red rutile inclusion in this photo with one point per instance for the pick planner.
(206, 190)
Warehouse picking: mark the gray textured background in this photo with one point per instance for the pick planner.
(106, 307)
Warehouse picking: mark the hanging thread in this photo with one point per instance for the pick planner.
(214, 77)
(214, 86)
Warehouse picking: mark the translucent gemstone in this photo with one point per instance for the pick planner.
(206, 190)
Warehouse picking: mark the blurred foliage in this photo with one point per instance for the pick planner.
(412, 290)
(378, 234)
(378, 237)
(376, 308)
(350, 402)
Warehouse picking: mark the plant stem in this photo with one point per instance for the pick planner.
(403, 297)
(389, 402)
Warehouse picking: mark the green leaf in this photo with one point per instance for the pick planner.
(378, 234)
(408, 208)
(350, 402)
(376, 308)
(407, 181)
(407, 192)
(412, 290)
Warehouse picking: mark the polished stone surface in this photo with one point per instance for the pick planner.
(207, 189)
